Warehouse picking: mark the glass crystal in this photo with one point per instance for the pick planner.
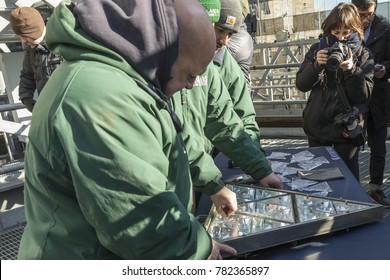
(261, 210)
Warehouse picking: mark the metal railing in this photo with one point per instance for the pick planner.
(273, 71)
(11, 165)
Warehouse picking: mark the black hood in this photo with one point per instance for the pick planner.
(143, 32)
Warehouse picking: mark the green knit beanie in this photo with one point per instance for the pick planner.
(213, 8)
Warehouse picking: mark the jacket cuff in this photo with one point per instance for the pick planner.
(262, 173)
(211, 188)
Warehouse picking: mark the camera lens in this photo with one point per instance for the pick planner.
(334, 61)
(352, 126)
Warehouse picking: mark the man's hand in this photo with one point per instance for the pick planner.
(218, 248)
(379, 71)
(29, 103)
(225, 202)
(272, 181)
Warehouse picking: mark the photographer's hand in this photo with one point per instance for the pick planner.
(322, 57)
(347, 64)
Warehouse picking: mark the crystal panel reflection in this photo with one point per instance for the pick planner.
(263, 210)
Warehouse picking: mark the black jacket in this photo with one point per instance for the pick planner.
(379, 44)
(38, 65)
(325, 102)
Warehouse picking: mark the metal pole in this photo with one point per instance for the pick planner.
(11, 107)
(11, 167)
(10, 155)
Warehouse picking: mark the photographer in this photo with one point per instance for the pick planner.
(338, 71)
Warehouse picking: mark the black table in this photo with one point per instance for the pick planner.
(346, 188)
(369, 241)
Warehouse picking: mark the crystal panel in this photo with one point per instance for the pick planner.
(288, 215)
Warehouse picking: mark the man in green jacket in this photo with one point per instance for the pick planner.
(228, 24)
(107, 175)
(212, 115)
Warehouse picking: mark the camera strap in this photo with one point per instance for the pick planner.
(344, 99)
(347, 107)
(345, 132)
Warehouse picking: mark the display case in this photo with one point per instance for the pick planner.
(269, 217)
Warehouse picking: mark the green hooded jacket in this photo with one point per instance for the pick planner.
(107, 176)
(213, 116)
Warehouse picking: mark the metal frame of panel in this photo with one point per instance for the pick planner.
(338, 214)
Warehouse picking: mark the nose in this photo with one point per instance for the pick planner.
(341, 37)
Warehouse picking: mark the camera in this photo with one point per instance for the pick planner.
(337, 54)
(352, 130)
(348, 119)
(338, 50)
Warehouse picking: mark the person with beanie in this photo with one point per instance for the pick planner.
(215, 117)
(38, 62)
(241, 46)
(231, 18)
(228, 24)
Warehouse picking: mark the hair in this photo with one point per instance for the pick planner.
(344, 15)
(364, 4)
